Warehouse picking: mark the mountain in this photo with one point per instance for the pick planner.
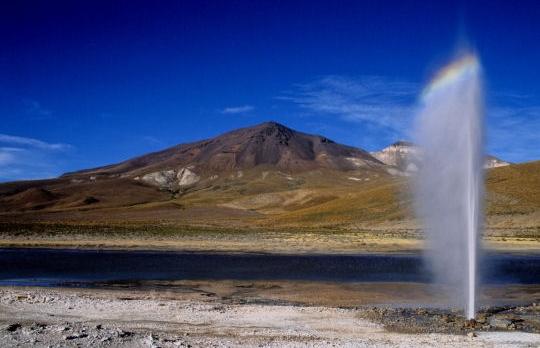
(401, 154)
(267, 177)
(186, 167)
(494, 162)
(270, 143)
(406, 156)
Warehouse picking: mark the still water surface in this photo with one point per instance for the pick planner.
(56, 267)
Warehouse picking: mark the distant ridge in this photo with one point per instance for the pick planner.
(181, 168)
(406, 156)
(266, 176)
(268, 143)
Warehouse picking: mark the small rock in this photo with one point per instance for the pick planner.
(481, 318)
(470, 324)
(38, 327)
(99, 327)
(74, 337)
(471, 334)
(122, 333)
(447, 319)
(499, 323)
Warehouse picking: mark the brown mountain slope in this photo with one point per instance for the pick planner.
(514, 191)
(363, 199)
(159, 177)
(267, 176)
(269, 143)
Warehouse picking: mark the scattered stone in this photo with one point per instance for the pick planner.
(470, 324)
(99, 327)
(447, 319)
(122, 333)
(38, 327)
(481, 318)
(471, 334)
(499, 323)
(74, 337)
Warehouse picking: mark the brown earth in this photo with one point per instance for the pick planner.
(267, 178)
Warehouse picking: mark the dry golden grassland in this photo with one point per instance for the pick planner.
(270, 211)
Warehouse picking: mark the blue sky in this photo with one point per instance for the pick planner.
(88, 83)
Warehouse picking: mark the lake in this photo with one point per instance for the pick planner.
(61, 267)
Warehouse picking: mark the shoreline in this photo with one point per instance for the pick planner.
(286, 240)
(263, 246)
(45, 317)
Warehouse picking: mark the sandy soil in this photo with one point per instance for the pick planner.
(240, 241)
(327, 294)
(42, 317)
(258, 241)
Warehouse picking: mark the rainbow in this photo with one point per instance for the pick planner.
(459, 68)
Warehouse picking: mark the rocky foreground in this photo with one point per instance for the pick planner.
(45, 317)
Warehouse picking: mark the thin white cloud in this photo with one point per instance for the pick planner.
(238, 109)
(513, 132)
(31, 142)
(24, 158)
(386, 108)
(6, 157)
(374, 100)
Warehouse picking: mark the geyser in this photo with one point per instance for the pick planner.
(450, 179)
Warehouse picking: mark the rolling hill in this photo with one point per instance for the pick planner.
(262, 177)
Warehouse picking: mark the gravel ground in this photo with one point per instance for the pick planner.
(53, 317)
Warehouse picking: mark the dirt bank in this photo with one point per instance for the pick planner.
(44, 317)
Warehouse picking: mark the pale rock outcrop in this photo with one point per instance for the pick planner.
(172, 179)
(356, 162)
(162, 178)
(186, 177)
(494, 162)
(403, 155)
(407, 157)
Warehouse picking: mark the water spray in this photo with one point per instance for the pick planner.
(450, 180)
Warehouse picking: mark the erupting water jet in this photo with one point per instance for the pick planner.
(450, 180)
